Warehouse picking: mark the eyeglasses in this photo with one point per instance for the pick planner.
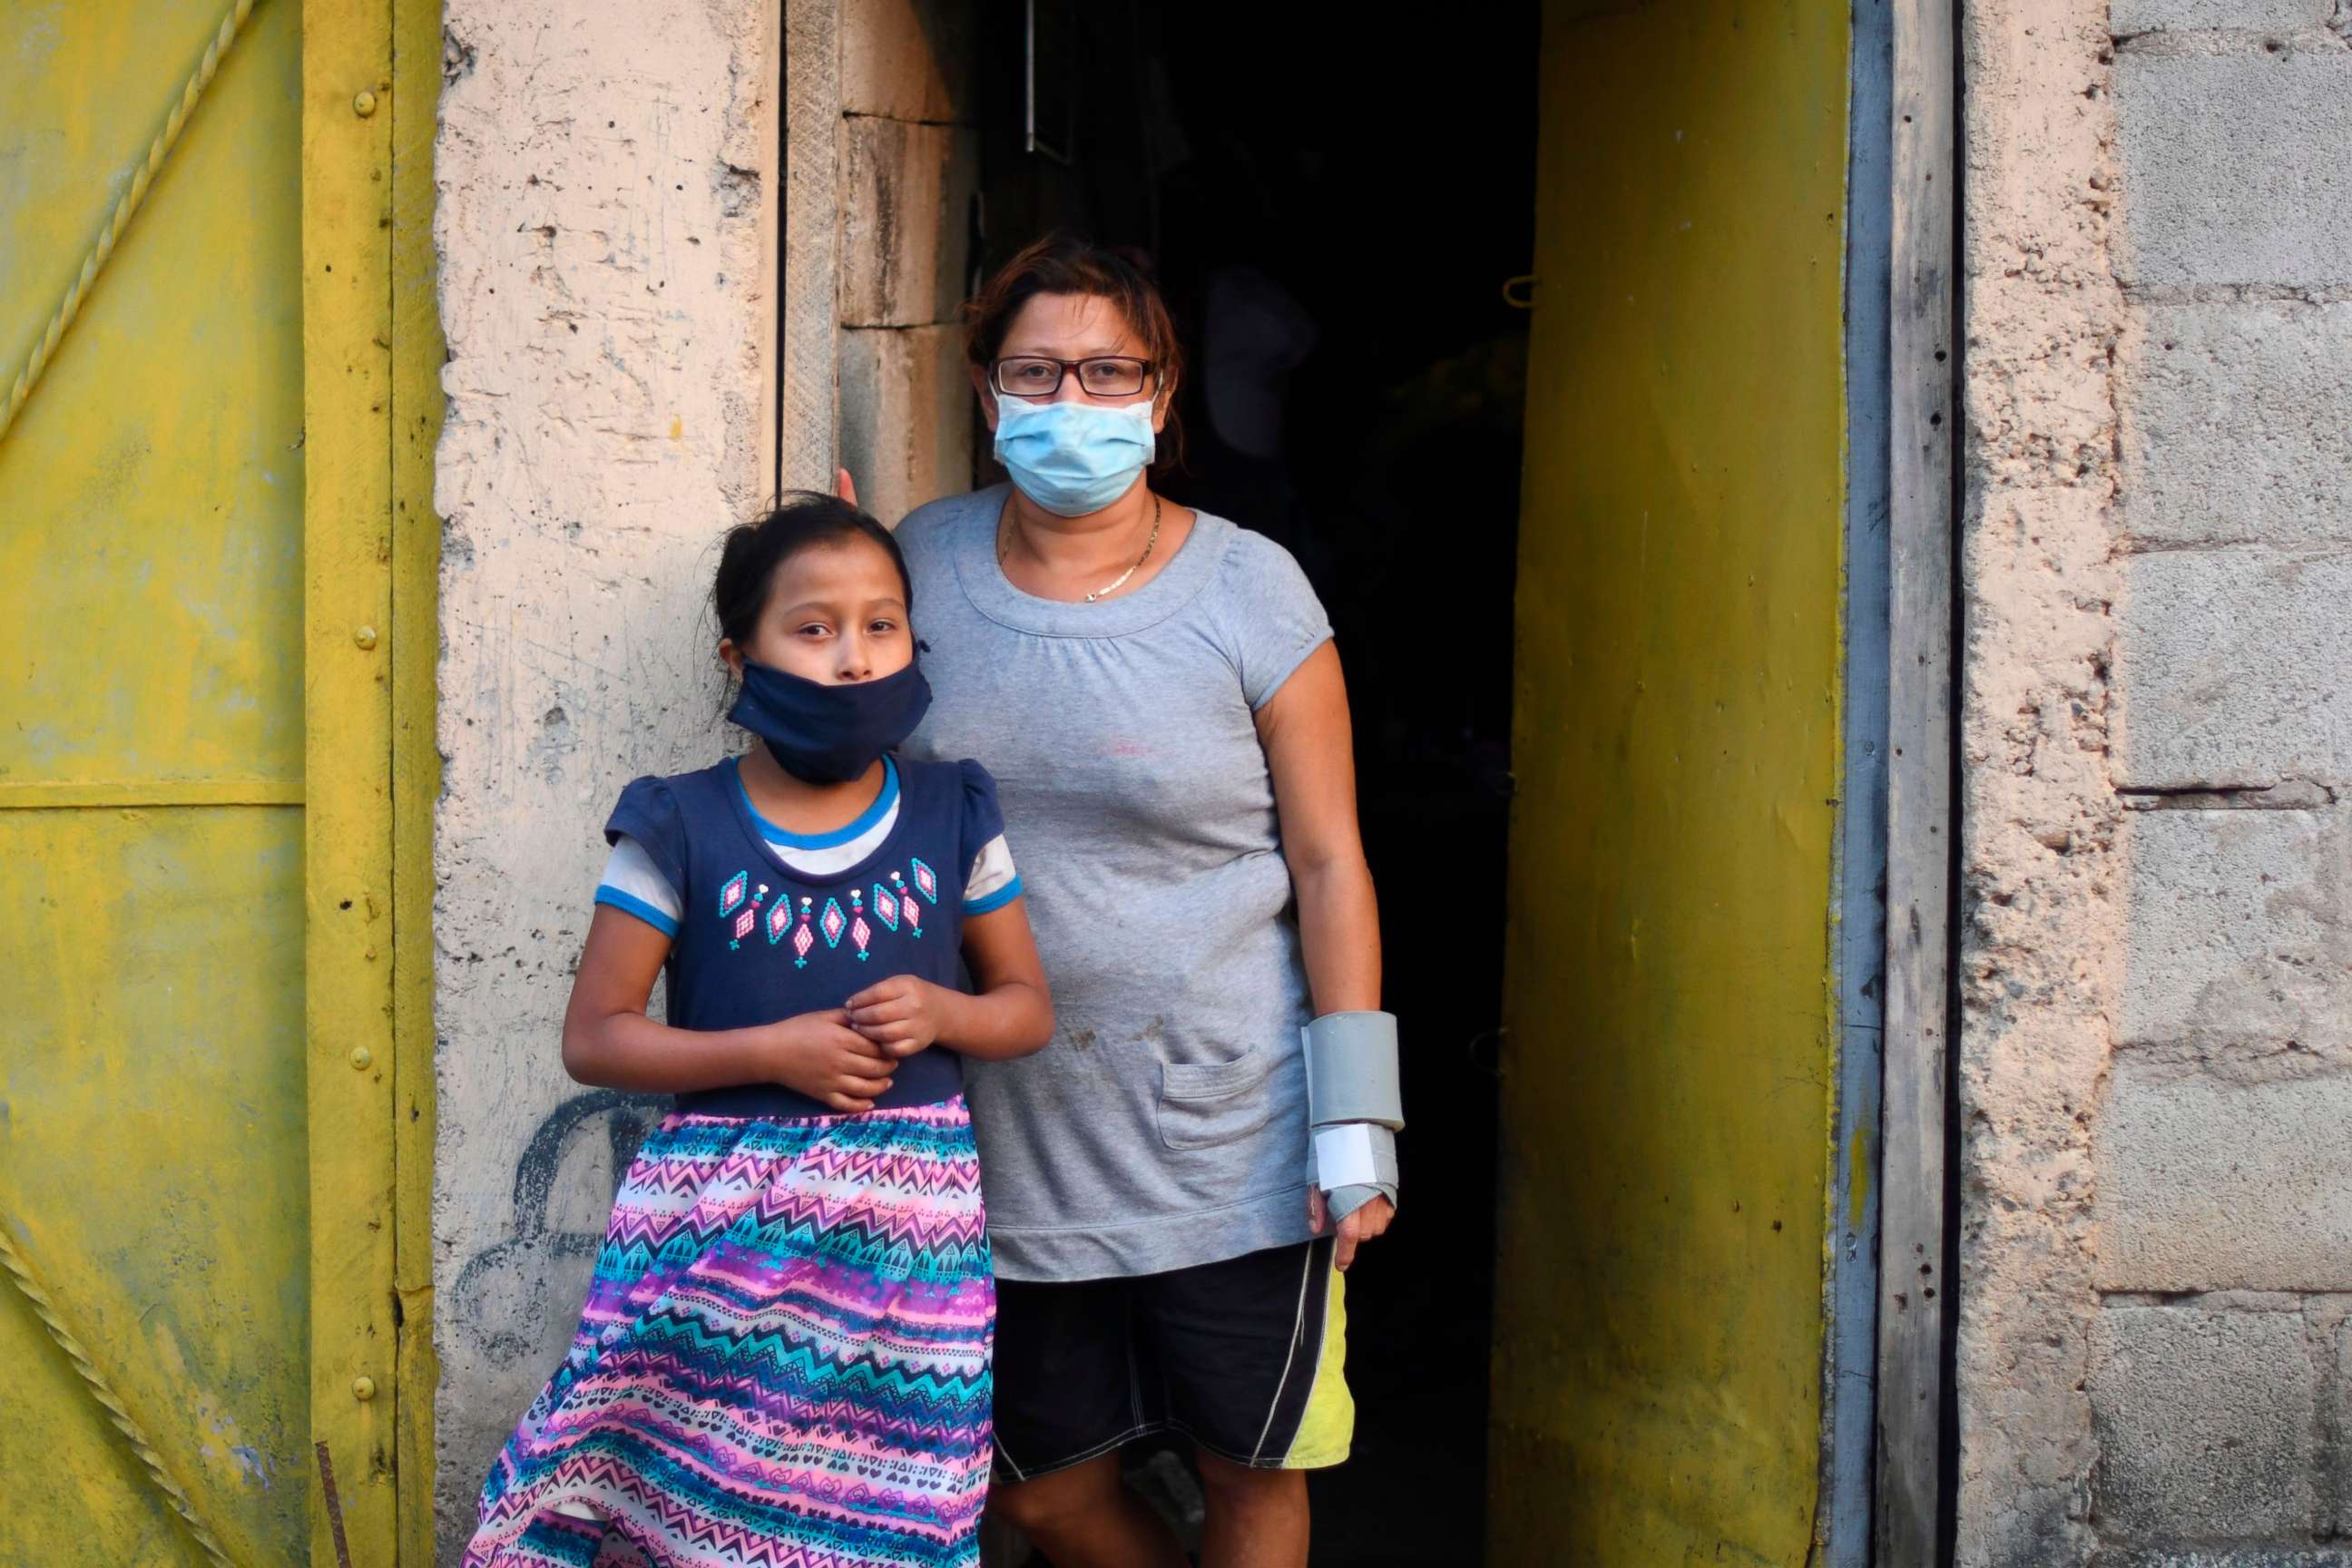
(1108, 377)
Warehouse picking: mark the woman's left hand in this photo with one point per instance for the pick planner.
(1359, 1227)
(902, 1014)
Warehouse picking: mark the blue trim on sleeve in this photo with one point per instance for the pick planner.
(995, 900)
(647, 812)
(865, 824)
(630, 904)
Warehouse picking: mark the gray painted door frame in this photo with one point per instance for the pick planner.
(1886, 1457)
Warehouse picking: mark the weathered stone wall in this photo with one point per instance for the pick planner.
(2157, 963)
(605, 232)
(909, 168)
(880, 183)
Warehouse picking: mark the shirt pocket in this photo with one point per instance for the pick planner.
(1205, 1104)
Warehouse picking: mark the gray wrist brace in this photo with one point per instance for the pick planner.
(1354, 1109)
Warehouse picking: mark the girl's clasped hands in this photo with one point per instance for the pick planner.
(845, 1057)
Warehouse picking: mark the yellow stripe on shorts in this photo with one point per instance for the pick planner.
(1329, 1425)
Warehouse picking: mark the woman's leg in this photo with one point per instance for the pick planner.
(1257, 1518)
(1085, 1517)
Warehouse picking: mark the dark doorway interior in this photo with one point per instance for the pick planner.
(1333, 206)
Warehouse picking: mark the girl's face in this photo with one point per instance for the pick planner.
(1072, 327)
(836, 611)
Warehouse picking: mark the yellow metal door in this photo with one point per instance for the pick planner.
(1668, 1061)
(201, 1066)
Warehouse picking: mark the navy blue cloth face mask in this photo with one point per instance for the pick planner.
(829, 731)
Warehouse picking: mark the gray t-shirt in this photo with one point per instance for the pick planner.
(1166, 1124)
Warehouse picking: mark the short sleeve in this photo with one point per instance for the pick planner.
(634, 885)
(990, 879)
(1272, 617)
(648, 813)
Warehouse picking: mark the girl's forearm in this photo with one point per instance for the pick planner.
(1011, 1019)
(628, 1050)
(1339, 927)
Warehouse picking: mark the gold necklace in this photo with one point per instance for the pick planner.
(1005, 551)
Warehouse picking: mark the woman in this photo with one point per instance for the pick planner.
(1158, 693)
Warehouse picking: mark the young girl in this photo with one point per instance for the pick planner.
(784, 1353)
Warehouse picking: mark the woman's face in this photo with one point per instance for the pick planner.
(834, 613)
(1072, 327)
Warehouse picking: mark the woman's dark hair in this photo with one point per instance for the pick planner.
(1063, 264)
(800, 520)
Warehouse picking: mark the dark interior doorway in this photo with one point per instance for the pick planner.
(1333, 207)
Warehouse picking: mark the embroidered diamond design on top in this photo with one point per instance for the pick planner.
(745, 922)
(737, 888)
(926, 882)
(886, 907)
(858, 929)
(833, 923)
(780, 919)
(914, 913)
(802, 942)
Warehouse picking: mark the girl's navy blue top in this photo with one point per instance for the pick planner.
(758, 942)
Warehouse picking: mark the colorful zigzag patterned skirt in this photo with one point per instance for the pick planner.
(784, 1359)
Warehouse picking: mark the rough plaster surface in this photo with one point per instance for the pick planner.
(2155, 965)
(2043, 891)
(2207, 1421)
(600, 177)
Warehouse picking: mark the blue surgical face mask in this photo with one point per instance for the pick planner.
(1074, 457)
(829, 731)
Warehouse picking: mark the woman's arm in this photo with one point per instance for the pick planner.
(1310, 750)
(609, 1043)
(1011, 1013)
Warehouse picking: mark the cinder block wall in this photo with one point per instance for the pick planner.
(880, 184)
(2156, 973)
(909, 169)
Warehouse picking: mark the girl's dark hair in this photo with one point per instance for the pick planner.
(1065, 264)
(800, 520)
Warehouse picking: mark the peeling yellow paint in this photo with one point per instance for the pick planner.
(677, 428)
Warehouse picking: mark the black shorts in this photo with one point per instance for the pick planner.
(1243, 1357)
